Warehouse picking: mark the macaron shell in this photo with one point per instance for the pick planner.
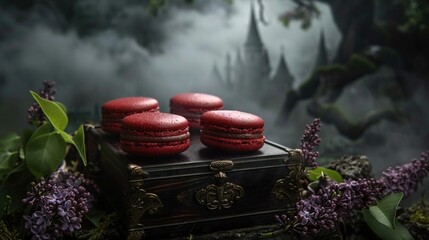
(115, 110)
(155, 122)
(129, 104)
(232, 121)
(236, 145)
(111, 127)
(232, 130)
(196, 101)
(154, 134)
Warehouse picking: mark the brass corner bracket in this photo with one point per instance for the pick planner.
(140, 201)
(287, 189)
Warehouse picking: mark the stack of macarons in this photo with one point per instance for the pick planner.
(145, 131)
(193, 105)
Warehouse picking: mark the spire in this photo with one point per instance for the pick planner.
(253, 37)
(238, 69)
(282, 74)
(238, 60)
(228, 70)
(322, 56)
(216, 76)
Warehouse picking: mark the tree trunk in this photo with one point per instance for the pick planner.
(355, 19)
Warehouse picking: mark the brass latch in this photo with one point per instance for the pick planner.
(221, 194)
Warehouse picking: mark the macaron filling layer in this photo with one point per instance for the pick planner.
(154, 139)
(227, 129)
(236, 145)
(247, 136)
(191, 112)
(120, 115)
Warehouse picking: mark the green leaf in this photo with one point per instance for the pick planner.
(380, 216)
(62, 106)
(95, 216)
(9, 154)
(55, 114)
(386, 233)
(44, 129)
(67, 138)
(314, 174)
(7, 162)
(79, 140)
(44, 153)
(10, 142)
(385, 211)
(26, 135)
(15, 185)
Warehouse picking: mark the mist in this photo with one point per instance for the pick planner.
(116, 49)
(112, 59)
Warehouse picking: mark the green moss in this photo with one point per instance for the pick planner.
(420, 212)
(107, 222)
(332, 68)
(361, 63)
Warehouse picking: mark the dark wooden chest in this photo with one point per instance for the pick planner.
(199, 190)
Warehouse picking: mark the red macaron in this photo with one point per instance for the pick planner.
(115, 110)
(193, 105)
(232, 130)
(154, 134)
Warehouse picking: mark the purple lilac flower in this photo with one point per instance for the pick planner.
(355, 195)
(35, 113)
(330, 203)
(407, 177)
(58, 205)
(333, 202)
(309, 141)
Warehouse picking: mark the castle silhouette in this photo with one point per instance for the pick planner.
(251, 75)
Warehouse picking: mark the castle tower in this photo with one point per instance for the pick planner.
(282, 79)
(322, 56)
(228, 71)
(238, 70)
(216, 77)
(253, 39)
(256, 62)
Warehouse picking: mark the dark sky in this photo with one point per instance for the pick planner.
(100, 50)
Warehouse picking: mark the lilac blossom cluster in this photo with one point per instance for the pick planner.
(330, 203)
(58, 205)
(309, 141)
(407, 177)
(35, 113)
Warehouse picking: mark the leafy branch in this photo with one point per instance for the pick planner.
(36, 153)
